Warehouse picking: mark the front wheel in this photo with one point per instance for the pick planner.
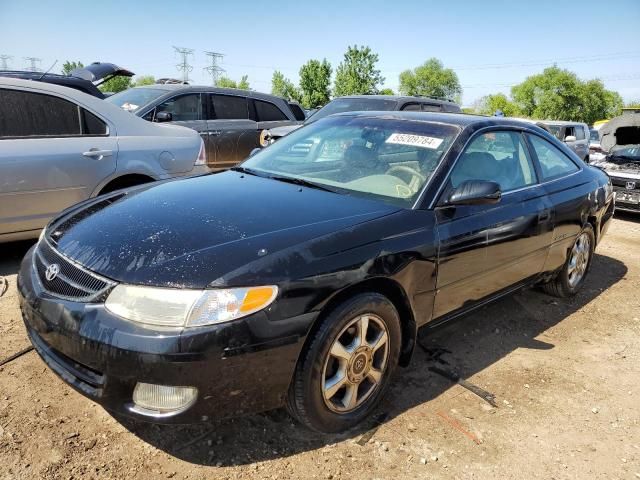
(571, 278)
(342, 375)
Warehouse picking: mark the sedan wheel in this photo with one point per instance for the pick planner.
(572, 275)
(355, 363)
(347, 363)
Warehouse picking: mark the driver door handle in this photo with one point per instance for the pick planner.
(95, 153)
(544, 215)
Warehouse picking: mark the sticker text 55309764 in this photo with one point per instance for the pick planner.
(414, 140)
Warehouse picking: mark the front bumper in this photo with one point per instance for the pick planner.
(239, 367)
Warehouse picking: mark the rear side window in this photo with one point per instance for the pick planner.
(268, 112)
(579, 132)
(27, 114)
(553, 163)
(430, 107)
(411, 107)
(183, 108)
(229, 107)
(298, 113)
(92, 125)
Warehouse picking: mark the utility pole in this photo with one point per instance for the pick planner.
(5, 63)
(33, 67)
(214, 69)
(184, 66)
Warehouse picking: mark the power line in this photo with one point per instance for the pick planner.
(184, 66)
(214, 69)
(4, 59)
(33, 67)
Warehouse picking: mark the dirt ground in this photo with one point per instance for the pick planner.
(565, 375)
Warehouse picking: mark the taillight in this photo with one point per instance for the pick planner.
(202, 155)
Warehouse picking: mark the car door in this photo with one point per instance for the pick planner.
(53, 154)
(567, 191)
(485, 249)
(232, 134)
(187, 110)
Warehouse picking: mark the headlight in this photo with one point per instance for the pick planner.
(187, 308)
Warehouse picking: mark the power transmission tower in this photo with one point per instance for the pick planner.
(214, 69)
(33, 67)
(5, 64)
(184, 66)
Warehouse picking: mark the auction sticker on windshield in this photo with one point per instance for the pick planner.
(414, 140)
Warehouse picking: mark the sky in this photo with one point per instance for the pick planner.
(490, 44)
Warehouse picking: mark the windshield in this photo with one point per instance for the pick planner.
(625, 154)
(134, 98)
(385, 159)
(353, 105)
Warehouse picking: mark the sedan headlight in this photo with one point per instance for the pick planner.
(171, 307)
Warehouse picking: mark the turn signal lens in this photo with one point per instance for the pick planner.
(256, 298)
(216, 306)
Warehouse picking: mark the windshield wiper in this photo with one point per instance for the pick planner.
(248, 171)
(305, 183)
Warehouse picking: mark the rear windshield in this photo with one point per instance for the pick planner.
(340, 105)
(134, 98)
(593, 135)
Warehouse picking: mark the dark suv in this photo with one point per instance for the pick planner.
(229, 120)
(358, 103)
(85, 79)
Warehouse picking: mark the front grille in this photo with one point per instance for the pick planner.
(623, 183)
(72, 281)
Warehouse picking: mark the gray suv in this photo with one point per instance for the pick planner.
(229, 120)
(574, 134)
(60, 146)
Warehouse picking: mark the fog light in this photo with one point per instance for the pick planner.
(152, 399)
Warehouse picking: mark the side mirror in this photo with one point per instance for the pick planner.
(475, 192)
(163, 117)
(570, 138)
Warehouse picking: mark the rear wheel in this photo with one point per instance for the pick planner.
(342, 375)
(570, 279)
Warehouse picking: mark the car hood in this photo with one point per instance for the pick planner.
(627, 170)
(622, 130)
(98, 71)
(193, 232)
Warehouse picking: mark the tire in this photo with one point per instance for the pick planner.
(566, 283)
(369, 365)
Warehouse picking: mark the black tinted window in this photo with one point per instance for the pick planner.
(183, 108)
(431, 107)
(553, 162)
(268, 112)
(92, 125)
(26, 114)
(411, 107)
(229, 107)
(298, 113)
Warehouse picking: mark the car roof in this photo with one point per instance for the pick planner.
(172, 87)
(401, 98)
(559, 122)
(462, 120)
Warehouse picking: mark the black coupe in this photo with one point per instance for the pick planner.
(301, 276)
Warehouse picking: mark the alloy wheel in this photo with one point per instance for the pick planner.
(355, 363)
(579, 259)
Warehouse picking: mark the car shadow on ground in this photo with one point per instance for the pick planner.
(473, 343)
(11, 255)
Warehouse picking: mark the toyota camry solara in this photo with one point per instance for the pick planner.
(299, 278)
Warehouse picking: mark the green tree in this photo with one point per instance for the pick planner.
(488, 105)
(386, 91)
(558, 94)
(283, 87)
(633, 104)
(144, 80)
(116, 84)
(431, 79)
(315, 83)
(357, 74)
(69, 65)
(226, 82)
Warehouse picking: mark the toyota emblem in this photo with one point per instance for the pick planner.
(52, 271)
(631, 185)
